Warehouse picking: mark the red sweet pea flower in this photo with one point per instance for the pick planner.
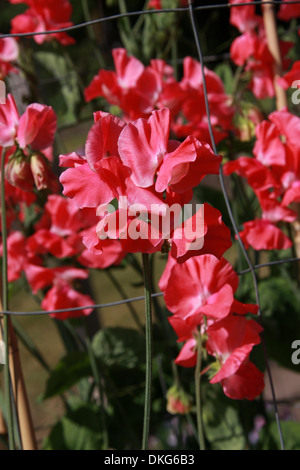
(291, 78)
(251, 51)
(231, 340)
(138, 180)
(61, 294)
(287, 12)
(9, 53)
(36, 127)
(244, 18)
(200, 295)
(16, 253)
(192, 118)
(9, 120)
(247, 382)
(132, 86)
(112, 253)
(43, 15)
(155, 4)
(201, 286)
(264, 235)
(274, 175)
(180, 166)
(95, 179)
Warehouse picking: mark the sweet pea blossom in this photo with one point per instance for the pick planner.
(9, 53)
(273, 174)
(137, 165)
(199, 293)
(42, 16)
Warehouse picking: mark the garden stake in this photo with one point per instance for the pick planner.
(19, 392)
(274, 48)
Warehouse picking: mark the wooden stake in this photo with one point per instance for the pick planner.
(20, 395)
(269, 19)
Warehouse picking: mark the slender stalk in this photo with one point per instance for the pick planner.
(198, 391)
(99, 384)
(5, 307)
(149, 351)
(130, 307)
(91, 32)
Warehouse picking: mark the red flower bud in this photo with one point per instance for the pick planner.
(40, 171)
(178, 401)
(18, 173)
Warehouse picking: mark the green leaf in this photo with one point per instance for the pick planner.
(281, 318)
(67, 372)
(79, 429)
(222, 425)
(119, 347)
(69, 88)
(270, 439)
(224, 71)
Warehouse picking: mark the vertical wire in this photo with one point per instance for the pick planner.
(221, 177)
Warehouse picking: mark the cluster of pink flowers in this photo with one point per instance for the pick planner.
(138, 90)
(200, 295)
(151, 178)
(274, 176)
(44, 15)
(60, 228)
(128, 191)
(250, 49)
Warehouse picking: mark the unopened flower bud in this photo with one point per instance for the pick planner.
(18, 173)
(178, 401)
(40, 171)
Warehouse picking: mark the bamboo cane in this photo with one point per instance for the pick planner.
(270, 24)
(27, 434)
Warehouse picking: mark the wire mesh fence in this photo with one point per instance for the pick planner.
(191, 10)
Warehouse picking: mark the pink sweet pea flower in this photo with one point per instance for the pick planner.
(9, 53)
(145, 148)
(36, 127)
(231, 340)
(243, 18)
(287, 12)
(264, 235)
(9, 121)
(61, 294)
(43, 15)
(201, 286)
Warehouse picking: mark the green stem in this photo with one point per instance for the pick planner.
(130, 307)
(91, 32)
(149, 351)
(198, 391)
(99, 384)
(5, 307)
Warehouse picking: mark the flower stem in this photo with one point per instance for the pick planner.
(198, 391)
(5, 307)
(149, 350)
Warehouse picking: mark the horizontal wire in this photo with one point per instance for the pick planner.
(141, 12)
(72, 309)
(132, 299)
(270, 263)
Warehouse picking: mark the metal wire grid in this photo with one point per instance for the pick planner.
(191, 10)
